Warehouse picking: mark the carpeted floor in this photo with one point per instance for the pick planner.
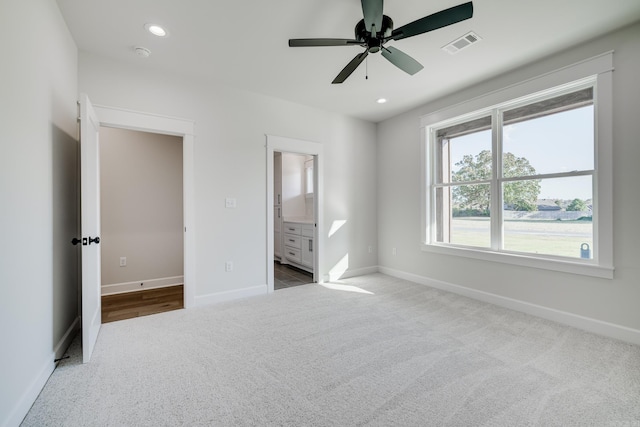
(371, 350)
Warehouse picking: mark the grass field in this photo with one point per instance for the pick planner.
(562, 238)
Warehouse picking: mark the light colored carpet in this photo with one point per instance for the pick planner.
(375, 351)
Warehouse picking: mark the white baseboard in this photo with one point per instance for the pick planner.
(31, 394)
(595, 326)
(66, 339)
(224, 296)
(163, 282)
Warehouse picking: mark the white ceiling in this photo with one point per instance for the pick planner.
(243, 43)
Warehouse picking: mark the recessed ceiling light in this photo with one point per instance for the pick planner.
(156, 30)
(381, 100)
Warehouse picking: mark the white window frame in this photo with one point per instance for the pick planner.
(596, 71)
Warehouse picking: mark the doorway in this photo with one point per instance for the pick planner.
(141, 213)
(294, 219)
(137, 121)
(315, 151)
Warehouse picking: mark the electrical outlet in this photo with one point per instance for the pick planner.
(394, 251)
(370, 249)
(228, 266)
(123, 261)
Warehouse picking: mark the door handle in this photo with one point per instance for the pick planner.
(86, 241)
(310, 245)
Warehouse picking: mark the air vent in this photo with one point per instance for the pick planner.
(458, 44)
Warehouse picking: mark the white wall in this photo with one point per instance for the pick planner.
(293, 199)
(141, 207)
(230, 161)
(38, 193)
(613, 301)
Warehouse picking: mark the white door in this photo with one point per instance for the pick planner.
(90, 224)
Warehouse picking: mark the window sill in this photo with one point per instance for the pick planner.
(585, 268)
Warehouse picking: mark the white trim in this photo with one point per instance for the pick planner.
(603, 192)
(596, 65)
(163, 282)
(584, 268)
(595, 326)
(224, 296)
(290, 145)
(146, 122)
(595, 72)
(31, 393)
(136, 120)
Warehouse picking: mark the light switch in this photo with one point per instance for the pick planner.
(230, 203)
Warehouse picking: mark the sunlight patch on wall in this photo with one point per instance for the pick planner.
(338, 270)
(337, 224)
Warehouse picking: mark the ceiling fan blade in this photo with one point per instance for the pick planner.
(350, 68)
(433, 22)
(372, 10)
(322, 42)
(401, 60)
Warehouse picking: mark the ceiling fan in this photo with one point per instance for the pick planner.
(376, 29)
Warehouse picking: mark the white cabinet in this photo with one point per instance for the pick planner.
(307, 252)
(298, 244)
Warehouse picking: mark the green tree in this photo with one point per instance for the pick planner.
(519, 195)
(577, 205)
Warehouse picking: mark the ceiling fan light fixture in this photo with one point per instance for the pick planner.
(156, 30)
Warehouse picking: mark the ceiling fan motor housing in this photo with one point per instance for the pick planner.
(374, 42)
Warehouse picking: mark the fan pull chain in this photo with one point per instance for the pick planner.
(366, 68)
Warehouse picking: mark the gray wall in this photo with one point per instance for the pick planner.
(141, 208)
(613, 301)
(38, 193)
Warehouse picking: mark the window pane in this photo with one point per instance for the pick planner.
(464, 152)
(560, 222)
(554, 143)
(462, 215)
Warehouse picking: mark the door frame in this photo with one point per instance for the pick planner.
(147, 122)
(291, 145)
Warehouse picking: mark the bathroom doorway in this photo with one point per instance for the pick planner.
(294, 235)
(294, 219)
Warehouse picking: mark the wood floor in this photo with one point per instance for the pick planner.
(141, 303)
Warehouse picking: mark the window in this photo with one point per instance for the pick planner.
(517, 181)
(308, 177)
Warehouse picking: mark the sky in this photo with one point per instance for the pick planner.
(560, 142)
